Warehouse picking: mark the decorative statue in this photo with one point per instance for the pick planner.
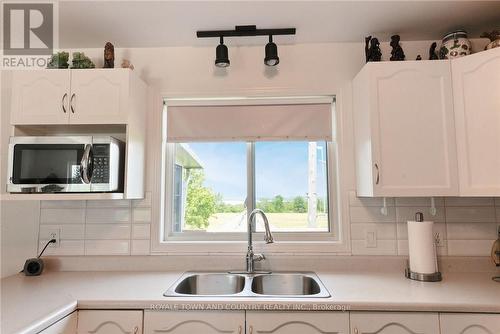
(432, 52)
(59, 60)
(494, 38)
(109, 55)
(80, 60)
(372, 52)
(419, 57)
(397, 52)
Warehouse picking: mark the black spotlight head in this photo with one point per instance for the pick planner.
(221, 55)
(271, 58)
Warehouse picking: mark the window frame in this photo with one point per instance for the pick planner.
(202, 242)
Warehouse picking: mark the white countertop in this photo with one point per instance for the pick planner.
(29, 304)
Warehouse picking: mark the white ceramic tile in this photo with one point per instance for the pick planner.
(471, 214)
(142, 203)
(403, 248)
(419, 201)
(469, 247)
(406, 213)
(384, 247)
(469, 201)
(140, 247)
(368, 201)
(66, 231)
(107, 231)
(468, 231)
(142, 215)
(497, 201)
(66, 247)
(498, 213)
(62, 204)
(62, 216)
(141, 231)
(383, 231)
(108, 215)
(371, 215)
(107, 247)
(112, 203)
(402, 230)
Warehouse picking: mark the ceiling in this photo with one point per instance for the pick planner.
(85, 24)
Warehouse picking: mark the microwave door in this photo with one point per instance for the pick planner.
(52, 167)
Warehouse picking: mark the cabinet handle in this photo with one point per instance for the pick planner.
(136, 330)
(71, 103)
(250, 329)
(63, 103)
(356, 330)
(239, 329)
(378, 174)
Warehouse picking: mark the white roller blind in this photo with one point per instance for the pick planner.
(249, 122)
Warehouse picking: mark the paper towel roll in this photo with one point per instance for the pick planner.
(421, 247)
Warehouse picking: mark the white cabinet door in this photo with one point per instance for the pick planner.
(297, 322)
(460, 323)
(191, 322)
(394, 323)
(404, 129)
(40, 97)
(66, 325)
(99, 96)
(109, 322)
(476, 87)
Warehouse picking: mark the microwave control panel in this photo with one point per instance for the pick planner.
(100, 173)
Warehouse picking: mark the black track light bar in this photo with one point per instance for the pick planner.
(248, 30)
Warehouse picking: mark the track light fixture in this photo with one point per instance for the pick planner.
(271, 58)
(221, 52)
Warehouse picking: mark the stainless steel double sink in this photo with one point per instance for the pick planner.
(276, 285)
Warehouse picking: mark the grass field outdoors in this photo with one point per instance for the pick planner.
(295, 222)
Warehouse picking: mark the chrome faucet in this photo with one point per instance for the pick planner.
(268, 238)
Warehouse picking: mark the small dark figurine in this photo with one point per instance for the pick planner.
(109, 55)
(372, 51)
(432, 52)
(419, 57)
(397, 52)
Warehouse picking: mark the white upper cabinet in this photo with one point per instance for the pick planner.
(88, 96)
(297, 323)
(99, 96)
(476, 88)
(109, 322)
(394, 323)
(404, 129)
(40, 97)
(191, 322)
(460, 323)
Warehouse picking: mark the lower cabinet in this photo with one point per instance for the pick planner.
(109, 322)
(297, 323)
(194, 322)
(66, 325)
(394, 323)
(460, 323)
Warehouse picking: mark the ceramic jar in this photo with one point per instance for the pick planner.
(494, 37)
(455, 45)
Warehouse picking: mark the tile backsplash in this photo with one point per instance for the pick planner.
(108, 227)
(466, 226)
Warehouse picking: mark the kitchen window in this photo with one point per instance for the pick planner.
(223, 161)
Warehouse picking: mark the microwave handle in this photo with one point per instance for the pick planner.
(86, 165)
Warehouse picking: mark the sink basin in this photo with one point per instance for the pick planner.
(278, 285)
(211, 284)
(285, 284)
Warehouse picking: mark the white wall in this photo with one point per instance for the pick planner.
(305, 69)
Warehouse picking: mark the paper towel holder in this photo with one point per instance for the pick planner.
(433, 277)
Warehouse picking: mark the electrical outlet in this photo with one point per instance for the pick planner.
(54, 234)
(439, 240)
(371, 239)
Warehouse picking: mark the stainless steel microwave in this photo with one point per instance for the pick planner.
(62, 164)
